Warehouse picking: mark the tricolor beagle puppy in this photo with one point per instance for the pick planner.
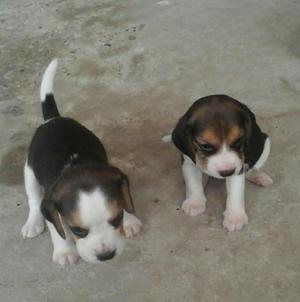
(219, 136)
(69, 181)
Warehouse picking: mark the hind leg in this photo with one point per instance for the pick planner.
(259, 178)
(35, 221)
(256, 175)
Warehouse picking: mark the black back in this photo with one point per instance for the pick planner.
(61, 143)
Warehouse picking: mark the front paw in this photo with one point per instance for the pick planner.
(234, 221)
(193, 207)
(65, 256)
(33, 226)
(131, 226)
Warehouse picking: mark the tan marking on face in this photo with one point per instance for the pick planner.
(211, 137)
(74, 219)
(121, 230)
(241, 155)
(233, 133)
(114, 209)
(126, 202)
(214, 136)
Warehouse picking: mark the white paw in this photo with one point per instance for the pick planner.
(65, 256)
(234, 222)
(193, 207)
(131, 225)
(33, 226)
(261, 179)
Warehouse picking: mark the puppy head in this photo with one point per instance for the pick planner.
(88, 202)
(220, 135)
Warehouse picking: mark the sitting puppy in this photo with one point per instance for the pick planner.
(219, 136)
(68, 180)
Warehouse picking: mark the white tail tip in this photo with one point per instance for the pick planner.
(48, 78)
(167, 138)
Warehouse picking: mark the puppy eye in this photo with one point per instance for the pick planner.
(116, 222)
(238, 143)
(79, 232)
(206, 148)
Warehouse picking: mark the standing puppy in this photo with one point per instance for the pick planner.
(69, 181)
(219, 136)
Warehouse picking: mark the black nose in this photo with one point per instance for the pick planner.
(226, 173)
(106, 256)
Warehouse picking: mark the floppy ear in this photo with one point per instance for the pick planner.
(50, 212)
(182, 137)
(127, 203)
(255, 138)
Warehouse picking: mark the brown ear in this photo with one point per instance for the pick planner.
(127, 203)
(182, 137)
(255, 138)
(50, 212)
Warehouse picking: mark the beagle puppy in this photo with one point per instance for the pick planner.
(218, 136)
(68, 180)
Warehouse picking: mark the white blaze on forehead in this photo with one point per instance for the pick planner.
(93, 207)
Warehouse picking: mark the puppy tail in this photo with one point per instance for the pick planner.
(49, 107)
(167, 138)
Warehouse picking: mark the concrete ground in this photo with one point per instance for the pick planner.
(128, 69)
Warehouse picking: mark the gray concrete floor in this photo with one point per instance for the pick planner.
(128, 69)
